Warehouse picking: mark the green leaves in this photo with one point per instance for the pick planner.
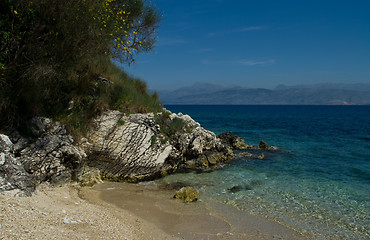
(49, 50)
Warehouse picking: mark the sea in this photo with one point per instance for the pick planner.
(319, 184)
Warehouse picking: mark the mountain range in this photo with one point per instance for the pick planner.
(315, 94)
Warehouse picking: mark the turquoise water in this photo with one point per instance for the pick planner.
(320, 184)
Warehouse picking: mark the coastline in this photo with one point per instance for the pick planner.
(126, 211)
(199, 220)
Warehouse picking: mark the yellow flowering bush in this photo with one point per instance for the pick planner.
(130, 24)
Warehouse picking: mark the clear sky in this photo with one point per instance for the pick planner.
(258, 43)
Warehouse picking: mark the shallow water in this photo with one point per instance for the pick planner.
(320, 184)
(154, 202)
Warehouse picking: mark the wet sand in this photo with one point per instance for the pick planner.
(198, 220)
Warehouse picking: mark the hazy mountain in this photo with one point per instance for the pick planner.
(344, 86)
(300, 95)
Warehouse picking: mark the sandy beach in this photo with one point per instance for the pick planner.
(59, 213)
(126, 211)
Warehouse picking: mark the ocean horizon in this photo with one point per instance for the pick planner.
(319, 184)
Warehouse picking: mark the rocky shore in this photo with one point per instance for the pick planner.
(119, 147)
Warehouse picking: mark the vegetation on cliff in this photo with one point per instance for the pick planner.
(55, 58)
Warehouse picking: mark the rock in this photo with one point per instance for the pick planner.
(250, 155)
(231, 140)
(51, 157)
(123, 147)
(245, 155)
(263, 145)
(89, 177)
(13, 176)
(187, 194)
(235, 189)
(119, 147)
(239, 188)
(139, 149)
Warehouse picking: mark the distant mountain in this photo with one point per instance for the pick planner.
(299, 95)
(363, 87)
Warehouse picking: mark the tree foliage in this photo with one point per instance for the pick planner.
(53, 49)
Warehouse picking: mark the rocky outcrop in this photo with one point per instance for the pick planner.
(48, 156)
(126, 147)
(231, 140)
(52, 156)
(119, 147)
(198, 149)
(144, 146)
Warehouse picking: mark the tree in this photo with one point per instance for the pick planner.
(49, 46)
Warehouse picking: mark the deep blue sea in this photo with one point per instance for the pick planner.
(320, 184)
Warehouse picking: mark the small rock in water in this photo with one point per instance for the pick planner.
(235, 189)
(187, 194)
(263, 145)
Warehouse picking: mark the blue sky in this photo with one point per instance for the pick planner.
(258, 43)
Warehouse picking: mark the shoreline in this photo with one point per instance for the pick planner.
(127, 211)
(197, 220)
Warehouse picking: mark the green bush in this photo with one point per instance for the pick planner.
(54, 53)
(169, 127)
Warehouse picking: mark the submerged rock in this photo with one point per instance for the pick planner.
(235, 189)
(187, 194)
(239, 188)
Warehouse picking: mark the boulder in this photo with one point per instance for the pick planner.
(187, 194)
(231, 140)
(126, 148)
(263, 146)
(89, 177)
